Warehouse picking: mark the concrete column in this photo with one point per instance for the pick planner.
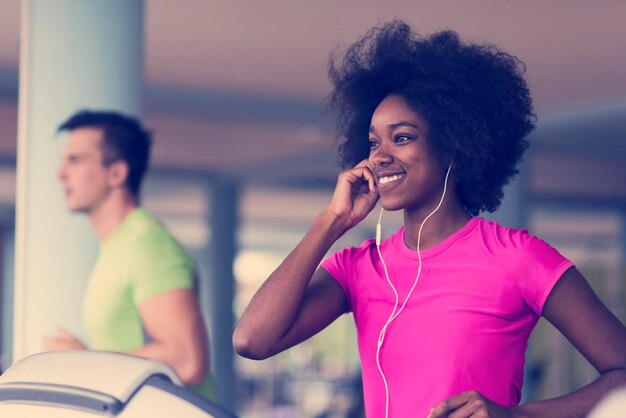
(7, 245)
(514, 209)
(220, 285)
(75, 54)
(513, 212)
(616, 285)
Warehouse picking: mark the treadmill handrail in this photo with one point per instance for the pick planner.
(119, 374)
(161, 382)
(78, 398)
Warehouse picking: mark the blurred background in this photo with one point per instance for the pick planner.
(244, 158)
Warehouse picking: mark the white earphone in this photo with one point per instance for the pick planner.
(394, 314)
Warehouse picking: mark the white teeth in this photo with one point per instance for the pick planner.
(389, 179)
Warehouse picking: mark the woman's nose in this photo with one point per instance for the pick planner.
(381, 156)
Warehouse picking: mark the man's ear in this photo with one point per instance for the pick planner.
(118, 173)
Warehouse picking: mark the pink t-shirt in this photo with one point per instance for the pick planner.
(467, 323)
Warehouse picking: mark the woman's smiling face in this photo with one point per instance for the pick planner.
(407, 175)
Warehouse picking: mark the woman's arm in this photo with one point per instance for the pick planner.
(297, 300)
(575, 310)
(287, 309)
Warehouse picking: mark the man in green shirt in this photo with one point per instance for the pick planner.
(140, 296)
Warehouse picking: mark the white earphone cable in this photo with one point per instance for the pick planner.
(394, 314)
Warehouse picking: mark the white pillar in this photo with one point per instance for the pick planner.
(75, 54)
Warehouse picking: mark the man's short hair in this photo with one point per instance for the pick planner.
(123, 138)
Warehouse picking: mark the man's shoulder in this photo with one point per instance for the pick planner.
(142, 225)
(147, 234)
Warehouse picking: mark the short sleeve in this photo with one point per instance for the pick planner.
(159, 264)
(336, 265)
(542, 266)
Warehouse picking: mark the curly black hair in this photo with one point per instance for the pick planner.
(473, 96)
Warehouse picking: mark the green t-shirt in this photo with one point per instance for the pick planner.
(139, 260)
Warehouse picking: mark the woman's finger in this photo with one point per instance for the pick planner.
(366, 174)
(450, 404)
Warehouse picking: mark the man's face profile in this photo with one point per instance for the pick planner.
(84, 176)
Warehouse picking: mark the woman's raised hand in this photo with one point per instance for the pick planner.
(355, 195)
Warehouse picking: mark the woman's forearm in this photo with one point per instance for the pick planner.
(576, 404)
(274, 308)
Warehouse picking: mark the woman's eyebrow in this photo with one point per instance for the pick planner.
(394, 126)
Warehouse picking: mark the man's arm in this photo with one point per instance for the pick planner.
(63, 340)
(174, 322)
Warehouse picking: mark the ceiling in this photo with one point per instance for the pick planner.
(237, 87)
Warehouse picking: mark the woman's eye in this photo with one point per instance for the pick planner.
(373, 144)
(402, 138)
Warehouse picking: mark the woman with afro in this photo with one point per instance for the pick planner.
(443, 307)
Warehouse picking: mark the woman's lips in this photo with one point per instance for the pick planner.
(390, 178)
(388, 181)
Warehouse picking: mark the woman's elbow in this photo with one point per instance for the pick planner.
(247, 346)
(616, 374)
